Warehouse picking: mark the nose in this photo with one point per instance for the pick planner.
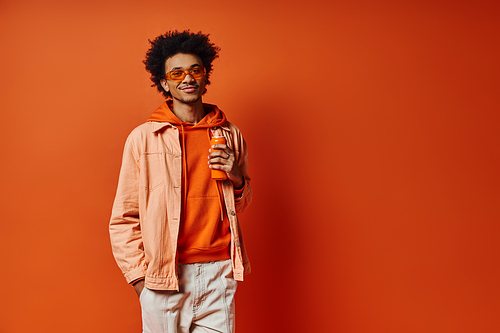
(188, 78)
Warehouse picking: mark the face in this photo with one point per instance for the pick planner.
(189, 90)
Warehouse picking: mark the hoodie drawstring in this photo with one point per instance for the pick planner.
(218, 191)
(184, 171)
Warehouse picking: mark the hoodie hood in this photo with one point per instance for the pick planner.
(213, 116)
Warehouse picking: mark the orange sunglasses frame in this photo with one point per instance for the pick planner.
(186, 72)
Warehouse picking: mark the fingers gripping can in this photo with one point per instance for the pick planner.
(218, 174)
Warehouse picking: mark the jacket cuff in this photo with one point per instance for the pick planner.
(135, 274)
(137, 280)
(239, 194)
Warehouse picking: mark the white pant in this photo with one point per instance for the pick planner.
(203, 304)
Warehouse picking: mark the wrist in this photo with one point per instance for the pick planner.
(239, 185)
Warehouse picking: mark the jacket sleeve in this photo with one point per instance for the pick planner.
(241, 154)
(124, 226)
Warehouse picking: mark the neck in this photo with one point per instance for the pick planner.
(188, 112)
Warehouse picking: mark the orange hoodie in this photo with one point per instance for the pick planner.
(204, 233)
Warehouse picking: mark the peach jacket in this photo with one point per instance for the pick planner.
(147, 209)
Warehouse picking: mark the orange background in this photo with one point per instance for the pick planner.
(373, 129)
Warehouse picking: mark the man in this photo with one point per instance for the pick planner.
(174, 229)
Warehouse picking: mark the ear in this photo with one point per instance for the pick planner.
(165, 85)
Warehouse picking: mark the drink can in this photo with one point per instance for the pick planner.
(218, 174)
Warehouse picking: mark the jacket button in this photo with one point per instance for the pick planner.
(239, 244)
(233, 213)
(226, 182)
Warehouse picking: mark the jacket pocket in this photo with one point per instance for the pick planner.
(152, 171)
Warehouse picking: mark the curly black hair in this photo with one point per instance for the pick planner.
(173, 42)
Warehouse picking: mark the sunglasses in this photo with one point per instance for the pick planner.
(179, 74)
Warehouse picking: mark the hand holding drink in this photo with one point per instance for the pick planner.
(222, 161)
(218, 174)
